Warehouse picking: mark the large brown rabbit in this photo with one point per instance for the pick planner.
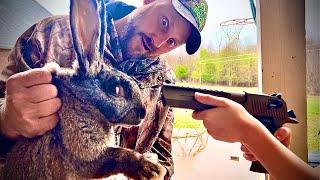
(95, 98)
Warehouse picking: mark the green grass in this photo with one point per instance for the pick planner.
(314, 105)
(183, 119)
(313, 123)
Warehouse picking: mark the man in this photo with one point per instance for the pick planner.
(29, 101)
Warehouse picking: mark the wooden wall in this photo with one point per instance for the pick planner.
(281, 31)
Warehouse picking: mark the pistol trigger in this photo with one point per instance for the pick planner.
(293, 120)
(292, 117)
(291, 114)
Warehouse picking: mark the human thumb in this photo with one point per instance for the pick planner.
(210, 100)
(283, 134)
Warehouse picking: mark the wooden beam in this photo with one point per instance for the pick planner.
(281, 25)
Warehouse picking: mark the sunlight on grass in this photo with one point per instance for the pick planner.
(183, 119)
(313, 123)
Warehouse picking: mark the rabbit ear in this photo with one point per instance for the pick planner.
(87, 20)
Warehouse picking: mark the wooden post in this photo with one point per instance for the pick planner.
(281, 31)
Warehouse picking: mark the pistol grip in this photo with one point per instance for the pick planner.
(272, 126)
(256, 166)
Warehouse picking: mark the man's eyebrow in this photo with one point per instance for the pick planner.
(174, 18)
(179, 37)
(171, 20)
(178, 42)
(172, 24)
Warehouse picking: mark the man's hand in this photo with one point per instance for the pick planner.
(30, 104)
(283, 134)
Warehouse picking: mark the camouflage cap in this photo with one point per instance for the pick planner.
(195, 11)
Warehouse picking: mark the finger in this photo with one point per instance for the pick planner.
(197, 115)
(47, 123)
(201, 115)
(283, 134)
(210, 100)
(35, 77)
(41, 92)
(249, 157)
(48, 107)
(245, 149)
(212, 133)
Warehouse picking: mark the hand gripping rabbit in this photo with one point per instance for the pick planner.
(95, 98)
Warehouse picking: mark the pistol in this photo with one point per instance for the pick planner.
(270, 110)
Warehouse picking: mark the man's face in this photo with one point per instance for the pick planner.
(152, 30)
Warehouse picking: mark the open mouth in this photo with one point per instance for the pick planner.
(121, 121)
(145, 42)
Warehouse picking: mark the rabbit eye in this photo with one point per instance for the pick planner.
(119, 91)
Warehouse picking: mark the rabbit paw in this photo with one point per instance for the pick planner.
(151, 156)
(151, 170)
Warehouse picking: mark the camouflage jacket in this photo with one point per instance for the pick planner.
(50, 40)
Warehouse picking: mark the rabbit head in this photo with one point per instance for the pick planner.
(113, 93)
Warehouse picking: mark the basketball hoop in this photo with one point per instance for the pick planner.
(232, 28)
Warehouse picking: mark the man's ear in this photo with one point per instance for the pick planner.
(145, 2)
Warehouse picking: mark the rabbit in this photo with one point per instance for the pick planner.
(95, 98)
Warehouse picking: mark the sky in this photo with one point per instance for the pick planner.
(219, 11)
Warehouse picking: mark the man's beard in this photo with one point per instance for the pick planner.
(128, 32)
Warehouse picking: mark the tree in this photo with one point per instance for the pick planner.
(182, 72)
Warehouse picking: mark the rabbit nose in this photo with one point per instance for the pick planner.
(142, 113)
